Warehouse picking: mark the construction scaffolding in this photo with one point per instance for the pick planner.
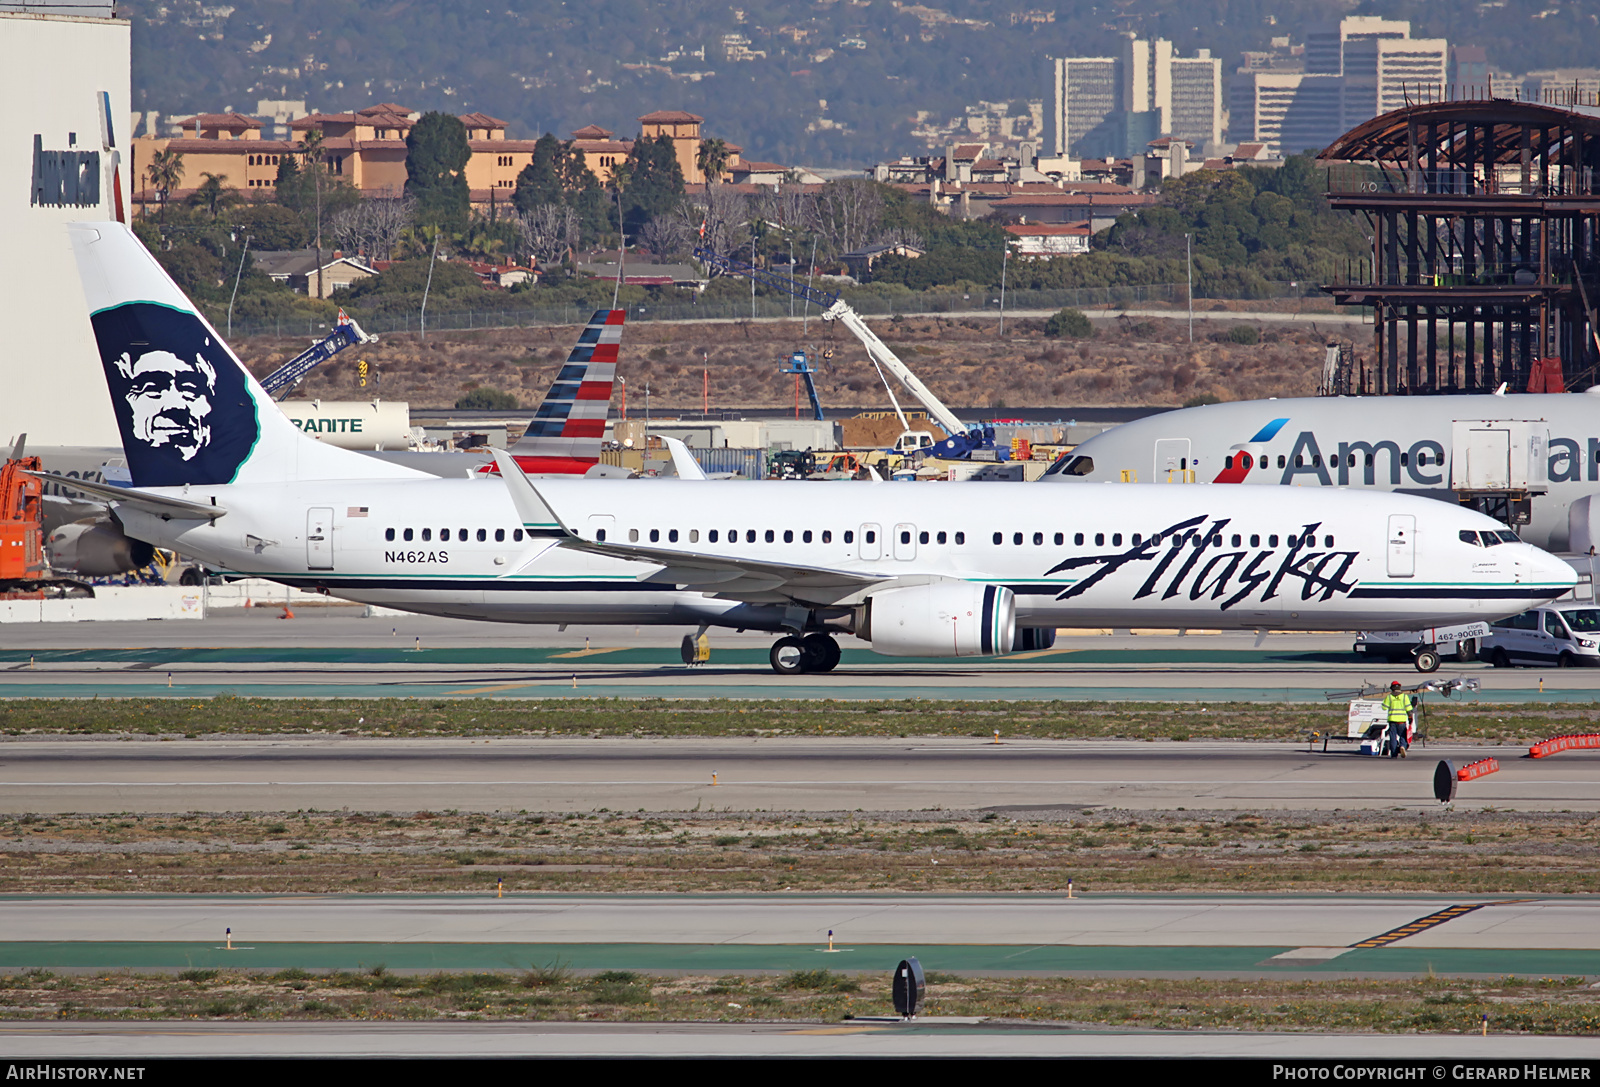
(1484, 216)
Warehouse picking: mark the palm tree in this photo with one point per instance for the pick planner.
(166, 170)
(712, 158)
(212, 194)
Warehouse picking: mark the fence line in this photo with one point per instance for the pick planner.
(921, 303)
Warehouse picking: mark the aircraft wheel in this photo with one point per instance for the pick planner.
(821, 653)
(788, 656)
(1427, 661)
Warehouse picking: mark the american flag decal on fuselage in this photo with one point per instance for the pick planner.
(564, 437)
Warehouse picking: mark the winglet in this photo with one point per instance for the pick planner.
(683, 461)
(536, 514)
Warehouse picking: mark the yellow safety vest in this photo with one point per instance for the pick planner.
(1397, 706)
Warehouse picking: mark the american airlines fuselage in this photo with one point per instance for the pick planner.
(1391, 443)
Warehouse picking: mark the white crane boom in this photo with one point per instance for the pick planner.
(840, 311)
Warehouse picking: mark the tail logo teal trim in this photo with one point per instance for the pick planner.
(181, 402)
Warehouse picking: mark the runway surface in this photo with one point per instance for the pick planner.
(1176, 936)
(787, 774)
(331, 652)
(922, 1039)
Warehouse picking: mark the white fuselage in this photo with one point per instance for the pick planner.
(1386, 443)
(1232, 557)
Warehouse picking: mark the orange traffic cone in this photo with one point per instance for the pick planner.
(287, 614)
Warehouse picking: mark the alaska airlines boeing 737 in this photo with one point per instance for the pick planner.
(916, 569)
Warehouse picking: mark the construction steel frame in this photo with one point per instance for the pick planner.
(1484, 217)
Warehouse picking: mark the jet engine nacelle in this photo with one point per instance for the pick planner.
(942, 619)
(95, 547)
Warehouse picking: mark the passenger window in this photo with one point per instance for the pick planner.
(1227, 462)
(712, 535)
(1136, 539)
(672, 535)
(749, 535)
(1099, 539)
(961, 538)
(871, 536)
(941, 537)
(1116, 539)
(1016, 539)
(1298, 461)
(849, 536)
(1255, 540)
(500, 535)
(770, 537)
(694, 535)
(1272, 541)
(1281, 463)
(827, 536)
(461, 534)
(1060, 539)
(516, 535)
(922, 537)
(655, 535)
(388, 534)
(788, 535)
(1077, 539)
(999, 538)
(1403, 459)
(805, 537)
(1327, 541)
(406, 535)
(600, 534)
(1216, 541)
(1237, 540)
(633, 535)
(483, 535)
(427, 534)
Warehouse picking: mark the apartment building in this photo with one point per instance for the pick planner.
(1114, 106)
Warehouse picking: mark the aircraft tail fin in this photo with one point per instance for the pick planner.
(188, 410)
(565, 434)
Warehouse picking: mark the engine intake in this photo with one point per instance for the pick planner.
(944, 619)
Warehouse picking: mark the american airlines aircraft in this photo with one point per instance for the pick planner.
(916, 569)
(1386, 443)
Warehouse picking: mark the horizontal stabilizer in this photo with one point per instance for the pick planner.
(159, 504)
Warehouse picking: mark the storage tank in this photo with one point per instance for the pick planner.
(353, 424)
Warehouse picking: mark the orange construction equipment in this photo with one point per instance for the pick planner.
(21, 524)
(1564, 743)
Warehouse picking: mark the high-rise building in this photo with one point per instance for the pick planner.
(1355, 69)
(1114, 106)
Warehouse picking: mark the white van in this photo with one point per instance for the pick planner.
(1566, 635)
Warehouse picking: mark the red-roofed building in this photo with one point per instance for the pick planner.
(1043, 241)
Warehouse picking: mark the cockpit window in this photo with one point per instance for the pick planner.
(1079, 466)
(1469, 537)
(1507, 537)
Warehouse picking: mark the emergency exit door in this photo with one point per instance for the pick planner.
(1402, 545)
(319, 538)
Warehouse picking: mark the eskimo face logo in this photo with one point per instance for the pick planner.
(180, 399)
(170, 400)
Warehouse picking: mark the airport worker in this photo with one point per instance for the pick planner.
(1397, 707)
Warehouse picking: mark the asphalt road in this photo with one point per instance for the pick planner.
(787, 774)
(133, 1041)
(332, 652)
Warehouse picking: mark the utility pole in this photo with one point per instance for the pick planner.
(1004, 261)
(426, 287)
(237, 276)
(1188, 254)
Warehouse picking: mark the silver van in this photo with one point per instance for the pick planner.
(1566, 635)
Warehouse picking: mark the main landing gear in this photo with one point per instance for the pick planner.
(814, 653)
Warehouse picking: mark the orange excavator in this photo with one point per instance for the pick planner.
(22, 565)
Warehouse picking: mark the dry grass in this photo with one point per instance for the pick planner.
(323, 852)
(1422, 1005)
(1472, 722)
(1144, 362)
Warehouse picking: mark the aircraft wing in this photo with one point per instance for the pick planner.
(720, 574)
(159, 504)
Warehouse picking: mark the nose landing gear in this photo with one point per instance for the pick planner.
(814, 653)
